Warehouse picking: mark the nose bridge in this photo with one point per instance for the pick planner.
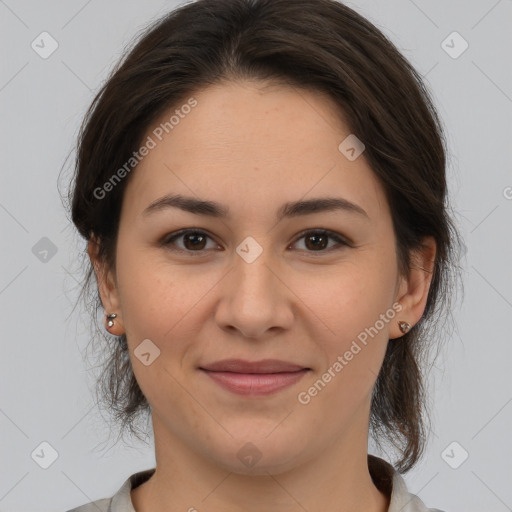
(253, 302)
(254, 281)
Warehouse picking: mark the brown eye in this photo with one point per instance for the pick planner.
(192, 241)
(318, 240)
(195, 241)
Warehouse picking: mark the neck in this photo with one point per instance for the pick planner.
(337, 480)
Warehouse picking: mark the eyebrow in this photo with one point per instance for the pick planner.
(287, 210)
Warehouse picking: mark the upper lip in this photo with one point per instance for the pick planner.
(263, 366)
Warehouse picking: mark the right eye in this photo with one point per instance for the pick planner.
(194, 241)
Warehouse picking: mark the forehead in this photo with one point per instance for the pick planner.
(252, 143)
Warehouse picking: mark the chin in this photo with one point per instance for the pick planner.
(257, 457)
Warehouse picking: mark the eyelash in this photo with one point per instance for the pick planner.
(169, 240)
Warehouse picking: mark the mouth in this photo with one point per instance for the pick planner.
(257, 378)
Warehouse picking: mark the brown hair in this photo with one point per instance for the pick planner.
(310, 44)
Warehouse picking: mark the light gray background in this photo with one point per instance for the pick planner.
(46, 386)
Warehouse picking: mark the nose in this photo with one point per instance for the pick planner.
(255, 298)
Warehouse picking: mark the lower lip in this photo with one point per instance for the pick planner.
(255, 384)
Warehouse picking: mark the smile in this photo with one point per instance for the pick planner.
(255, 383)
(254, 378)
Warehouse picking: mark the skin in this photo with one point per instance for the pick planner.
(253, 147)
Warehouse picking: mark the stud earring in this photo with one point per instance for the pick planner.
(404, 326)
(110, 319)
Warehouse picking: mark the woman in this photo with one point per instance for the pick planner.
(261, 184)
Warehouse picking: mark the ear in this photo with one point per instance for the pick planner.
(413, 289)
(107, 287)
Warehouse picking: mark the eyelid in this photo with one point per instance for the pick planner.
(167, 240)
(340, 239)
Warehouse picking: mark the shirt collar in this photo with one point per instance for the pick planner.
(388, 480)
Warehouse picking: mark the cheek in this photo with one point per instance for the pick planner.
(152, 292)
(355, 306)
(157, 306)
(349, 298)
(146, 298)
(353, 348)
(164, 303)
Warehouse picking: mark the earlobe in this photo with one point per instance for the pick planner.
(107, 289)
(414, 288)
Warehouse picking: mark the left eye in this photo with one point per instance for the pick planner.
(195, 241)
(318, 240)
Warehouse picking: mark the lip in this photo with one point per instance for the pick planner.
(254, 378)
(243, 366)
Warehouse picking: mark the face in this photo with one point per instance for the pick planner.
(270, 273)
